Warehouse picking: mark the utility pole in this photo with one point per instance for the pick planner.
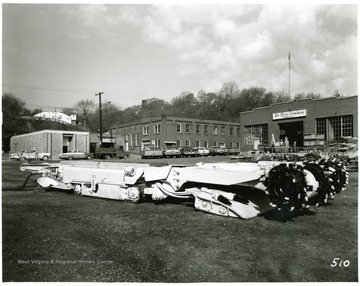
(289, 83)
(84, 113)
(100, 112)
(107, 116)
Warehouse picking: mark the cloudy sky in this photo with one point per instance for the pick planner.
(56, 55)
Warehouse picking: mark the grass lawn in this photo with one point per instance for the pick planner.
(57, 236)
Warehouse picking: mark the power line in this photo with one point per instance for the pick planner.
(45, 88)
(48, 106)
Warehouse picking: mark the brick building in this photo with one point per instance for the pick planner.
(166, 130)
(331, 117)
(52, 141)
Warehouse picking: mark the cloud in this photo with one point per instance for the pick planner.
(224, 28)
(248, 44)
(92, 15)
(79, 36)
(129, 14)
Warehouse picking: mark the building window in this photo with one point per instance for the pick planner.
(144, 144)
(247, 136)
(206, 129)
(197, 128)
(145, 130)
(157, 128)
(223, 130)
(187, 127)
(238, 131)
(215, 130)
(197, 143)
(136, 139)
(231, 131)
(131, 139)
(265, 134)
(178, 142)
(259, 131)
(321, 127)
(206, 144)
(335, 127)
(178, 127)
(157, 143)
(347, 126)
(187, 143)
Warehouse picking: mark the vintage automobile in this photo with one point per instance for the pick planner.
(110, 150)
(233, 151)
(14, 156)
(217, 151)
(202, 151)
(188, 151)
(75, 154)
(151, 152)
(32, 155)
(172, 151)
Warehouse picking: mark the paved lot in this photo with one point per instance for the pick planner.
(58, 236)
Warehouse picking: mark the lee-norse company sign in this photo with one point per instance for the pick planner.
(289, 114)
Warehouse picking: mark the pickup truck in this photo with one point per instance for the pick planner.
(108, 152)
(33, 155)
(75, 154)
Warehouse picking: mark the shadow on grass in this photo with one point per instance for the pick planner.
(286, 213)
(188, 202)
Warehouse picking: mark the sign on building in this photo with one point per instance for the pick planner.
(289, 114)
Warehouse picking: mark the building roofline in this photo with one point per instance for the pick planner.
(304, 99)
(169, 117)
(51, 131)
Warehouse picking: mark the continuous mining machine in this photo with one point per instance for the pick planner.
(233, 189)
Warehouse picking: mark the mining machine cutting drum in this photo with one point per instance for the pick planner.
(286, 186)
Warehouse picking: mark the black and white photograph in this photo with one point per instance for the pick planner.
(170, 142)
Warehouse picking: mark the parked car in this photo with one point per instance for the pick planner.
(14, 156)
(121, 154)
(172, 151)
(108, 151)
(202, 151)
(33, 155)
(217, 151)
(233, 151)
(75, 154)
(188, 151)
(151, 152)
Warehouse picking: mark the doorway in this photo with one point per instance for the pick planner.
(293, 131)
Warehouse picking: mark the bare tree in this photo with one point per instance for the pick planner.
(83, 106)
(229, 89)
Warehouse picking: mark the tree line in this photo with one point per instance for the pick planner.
(225, 104)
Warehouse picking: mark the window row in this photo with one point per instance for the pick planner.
(333, 128)
(217, 130)
(133, 140)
